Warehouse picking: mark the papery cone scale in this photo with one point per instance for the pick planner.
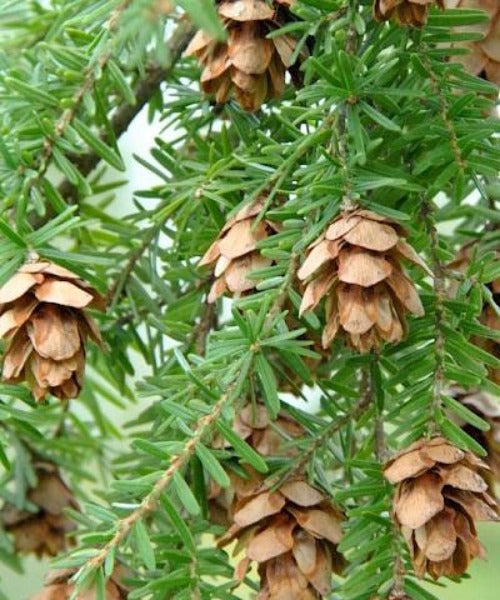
(42, 317)
(356, 266)
(247, 66)
(483, 58)
(405, 12)
(292, 530)
(234, 253)
(58, 586)
(44, 532)
(439, 496)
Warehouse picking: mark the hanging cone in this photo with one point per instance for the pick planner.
(42, 318)
(248, 65)
(489, 317)
(405, 12)
(292, 530)
(487, 408)
(356, 265)
(57, 586)
(44, 532)
(483, 58)
(292, 533)
(235, 253)
(439, 497)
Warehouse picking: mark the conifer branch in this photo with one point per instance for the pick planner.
(203, 427)
(439, 312)
(126, 113)
(69, 114)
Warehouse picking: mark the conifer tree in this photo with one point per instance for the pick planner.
(276, 377)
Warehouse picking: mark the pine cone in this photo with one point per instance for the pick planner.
(488, 409)
(58, 588)
(405, 12)
(292, 533)
(42, 317)
(247, 65)
(484, 56)
(252, 423)
(356, 265)
(489, 317)
(439, 497)
(235, 253)
(43, 533)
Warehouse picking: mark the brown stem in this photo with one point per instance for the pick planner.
(68, 115)
(200, 333)
(122, 118)
(203, 427)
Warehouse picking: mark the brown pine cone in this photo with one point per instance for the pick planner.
(235, 252)
(43, 533)
(58, 588)
(484, 56)
(292, 533)
(439, 497)
(356, 265)
(42, 318)
(488, 409)
(248, 65)
(489, 317)
(405, 12)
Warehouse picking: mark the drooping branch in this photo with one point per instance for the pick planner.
(69, 114)
(125, 114)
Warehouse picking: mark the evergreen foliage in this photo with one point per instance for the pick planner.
(379, 119)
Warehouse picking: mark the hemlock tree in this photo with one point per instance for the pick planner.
(324, 226)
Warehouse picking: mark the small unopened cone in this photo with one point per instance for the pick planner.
(439, 497)
(356, 266)
(43, 318)
(247, 66)
(234, 254)
(405, 12)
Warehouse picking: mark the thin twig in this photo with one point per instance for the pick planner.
(203, 427)
(125, 114)
(437, 88)
(69, 114)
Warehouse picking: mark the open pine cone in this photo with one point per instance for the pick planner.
(292, 533)
(356, 265)
(247, 65)
(42, 317)
(405, 12)
(488, 409)
(43, 533)
(57, 586)
(235, 252)
(439, 497)
(484, 56)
